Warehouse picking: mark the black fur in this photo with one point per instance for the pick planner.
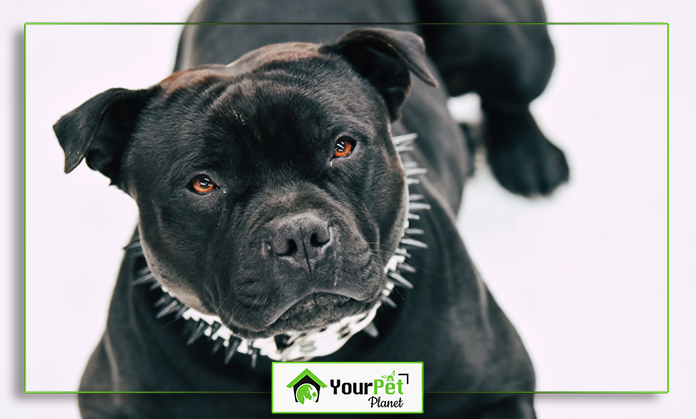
(263, 130)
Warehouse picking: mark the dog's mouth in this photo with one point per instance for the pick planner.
(313, 312)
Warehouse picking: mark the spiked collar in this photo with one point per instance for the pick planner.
(299, 346)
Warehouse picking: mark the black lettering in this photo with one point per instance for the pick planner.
(335, 387)
(367, 387)
(376, 401)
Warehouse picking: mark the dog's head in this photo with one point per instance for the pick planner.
(270, 193)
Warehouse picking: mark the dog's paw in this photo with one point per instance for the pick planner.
(527, 163)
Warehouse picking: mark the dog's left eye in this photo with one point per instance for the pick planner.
(344, 146)
(202, 185)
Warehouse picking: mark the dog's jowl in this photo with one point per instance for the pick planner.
(297, 189)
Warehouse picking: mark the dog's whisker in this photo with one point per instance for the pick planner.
(396, 290)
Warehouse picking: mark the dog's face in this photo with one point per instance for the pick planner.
(269, 191)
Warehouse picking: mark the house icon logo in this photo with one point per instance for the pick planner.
(306, 387)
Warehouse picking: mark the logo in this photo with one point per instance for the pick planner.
(347, 387)
(378, 388)
(306, 387)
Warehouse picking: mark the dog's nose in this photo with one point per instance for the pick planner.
(302, 238)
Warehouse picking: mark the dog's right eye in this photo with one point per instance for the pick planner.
(202, 185)
(344, 146)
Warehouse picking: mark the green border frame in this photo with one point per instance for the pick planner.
(352, 412)
(327, 23)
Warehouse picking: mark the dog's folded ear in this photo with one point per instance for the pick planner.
(99, 130)
(385, 57)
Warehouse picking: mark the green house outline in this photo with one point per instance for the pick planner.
(309, 373)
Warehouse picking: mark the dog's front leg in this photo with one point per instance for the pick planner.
(508, 66)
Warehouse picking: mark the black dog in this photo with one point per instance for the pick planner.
(272, 198)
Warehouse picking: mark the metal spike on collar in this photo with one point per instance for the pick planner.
(197, 332)
(305, 345)
(388, 301)
(180, 312)
(164, 299)
(414, 171)
(400, 280)
(254, 352)
(407, 268)
(169, 308)
(219, 342)
(417, 206)
(188, 327)
(414, 243)
(215, 327)
(132, 245)
(231, 349)
(403, 252)
(371, 330)
(145, 279)
(404, 139)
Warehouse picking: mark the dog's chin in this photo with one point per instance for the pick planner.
(315, 311)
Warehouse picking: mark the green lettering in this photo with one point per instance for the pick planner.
(378, 384)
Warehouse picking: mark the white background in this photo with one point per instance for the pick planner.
(552, 264)
(583, 274)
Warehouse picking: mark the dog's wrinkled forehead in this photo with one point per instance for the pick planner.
(364, 75)
(278, 106)
(275, 53)
(271, 54)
